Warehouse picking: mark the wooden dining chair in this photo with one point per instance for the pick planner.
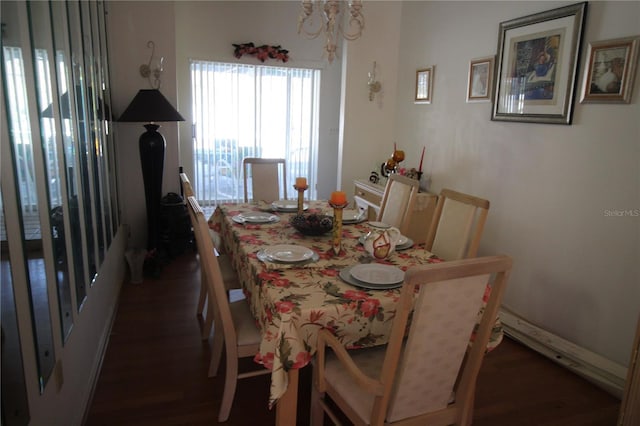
(187, 188)
(266, 176)
(236, 330)
(229, 276)
(457, 225)
(429, 378)
(398, 200)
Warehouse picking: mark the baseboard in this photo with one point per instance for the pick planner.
(95, 372)
(105, 335)
(600, 371)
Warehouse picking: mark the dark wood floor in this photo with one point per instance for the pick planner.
(155, 372)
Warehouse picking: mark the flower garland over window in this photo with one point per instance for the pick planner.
(263, 52)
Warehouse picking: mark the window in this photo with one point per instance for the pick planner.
(251, 111)
(18, 115)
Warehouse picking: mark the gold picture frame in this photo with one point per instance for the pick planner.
(424, 85)
(610, 70)
(479, 86)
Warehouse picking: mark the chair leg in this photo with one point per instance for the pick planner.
(230, 382)
(467, 409)
(316, 411)
(216, 352)
(208, 322)
(203, 295)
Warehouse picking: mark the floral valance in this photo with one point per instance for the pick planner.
(263, 52)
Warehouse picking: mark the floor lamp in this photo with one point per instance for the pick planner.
(150, 106)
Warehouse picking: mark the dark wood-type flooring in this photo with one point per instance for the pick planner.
(155, 372)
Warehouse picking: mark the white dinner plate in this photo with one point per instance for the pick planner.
(288, 205)
(352, 216)
(264, 258)
(345, 275)
(255, 217)
(374, 273)
(408, 243)
(288, 253)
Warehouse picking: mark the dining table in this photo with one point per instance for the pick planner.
(292, 301)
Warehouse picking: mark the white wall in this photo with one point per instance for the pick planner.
(576, 270)
(368, 127)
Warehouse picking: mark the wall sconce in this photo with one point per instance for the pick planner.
(374, 86)
(147, 72)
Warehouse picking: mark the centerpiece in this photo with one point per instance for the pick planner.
(312, 223)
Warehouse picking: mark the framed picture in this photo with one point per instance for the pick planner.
(424, 85)
(537, 66)
(480, 78)
(610, 68)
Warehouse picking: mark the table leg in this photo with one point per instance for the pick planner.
(287, 405)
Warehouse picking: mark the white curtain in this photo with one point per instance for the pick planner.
(251, 111)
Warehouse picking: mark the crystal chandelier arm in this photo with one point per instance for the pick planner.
(331, 11)
(306, 21)
(327, 13)
(356, 21)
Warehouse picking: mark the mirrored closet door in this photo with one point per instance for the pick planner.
(59, 207)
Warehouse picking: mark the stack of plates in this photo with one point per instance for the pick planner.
(402, 244)
(350, 216)
(255, 217)
(287, 253)
(373, 276)
(287, 205)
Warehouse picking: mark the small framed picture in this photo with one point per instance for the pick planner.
(610, 69)
(424, 85)
(480, 79)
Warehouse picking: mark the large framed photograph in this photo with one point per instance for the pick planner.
(537, 66)
(480, 79)
(424, 85)
(610, 69)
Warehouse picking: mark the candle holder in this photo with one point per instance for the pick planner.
(336, 242)
(300, 190)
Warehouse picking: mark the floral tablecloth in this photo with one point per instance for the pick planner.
(292, 303)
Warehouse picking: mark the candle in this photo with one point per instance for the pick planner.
(421, 158)
(301, 182)
(338, 198)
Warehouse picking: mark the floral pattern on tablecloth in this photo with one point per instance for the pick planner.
(291, 304)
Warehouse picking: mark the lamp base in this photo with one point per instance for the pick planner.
(152, 146)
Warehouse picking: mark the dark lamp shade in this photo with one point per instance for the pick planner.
(104, 113)
(149, 105)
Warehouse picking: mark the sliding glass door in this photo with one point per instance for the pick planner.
(242, 110)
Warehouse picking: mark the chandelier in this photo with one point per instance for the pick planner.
(326, 18)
